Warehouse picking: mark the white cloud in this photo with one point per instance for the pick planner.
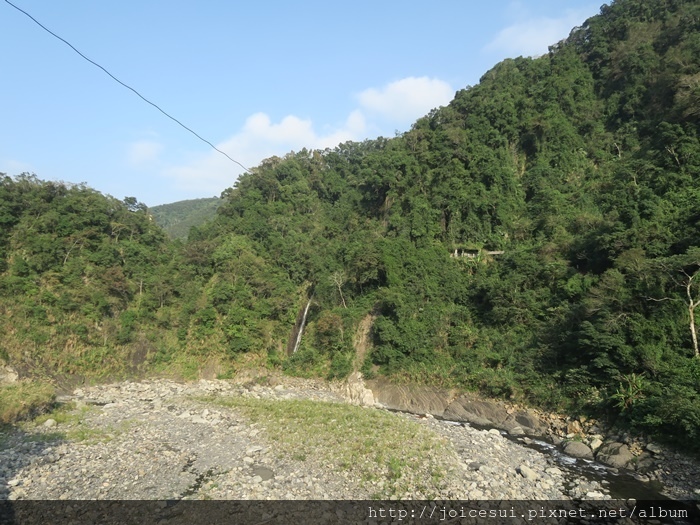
(532, 36)
(259, 139)
(398, 104)
(407, 99)
(143, 152)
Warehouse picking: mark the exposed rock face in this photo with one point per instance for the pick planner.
(356, 392)
(466, 408)
(530, 422)
(411, 398)
(616, 455)
(361, 341)
(492, 413)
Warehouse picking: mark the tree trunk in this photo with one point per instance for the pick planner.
(691, 311)
(692, 305)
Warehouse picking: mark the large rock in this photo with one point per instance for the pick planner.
(654, 448)
(644, 462)
(467, 408)
(616, 455)
(528, 473)
(517, 431)
(470, 409)
(578, 450)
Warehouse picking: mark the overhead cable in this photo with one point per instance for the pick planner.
(126, 85)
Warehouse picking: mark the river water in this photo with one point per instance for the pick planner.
(621, 483)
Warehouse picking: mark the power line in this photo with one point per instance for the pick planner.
(126, 85)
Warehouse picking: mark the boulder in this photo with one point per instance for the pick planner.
(516, 431)
(527, 473)
(595, 494)
(615, 454)
(578, 450)
(476, 411)
(594, 429)
(654, 448)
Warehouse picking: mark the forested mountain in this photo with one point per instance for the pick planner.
(76, 268)
(177, 218)
(537, 239)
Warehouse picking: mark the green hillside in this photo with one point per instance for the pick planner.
(178, 218)
(581, 166)
(78, 271)
(538, 239)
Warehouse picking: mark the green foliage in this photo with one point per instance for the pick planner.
(329, 332)
(630, 391)
(306, 362)
(24, 400)
(78, 268)
(537, 239)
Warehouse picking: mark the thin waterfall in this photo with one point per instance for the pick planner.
(301, 326)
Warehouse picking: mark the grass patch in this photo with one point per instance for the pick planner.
(72, 425)
(389, 454)
(82, 433)
(24, 400)
(63, 414)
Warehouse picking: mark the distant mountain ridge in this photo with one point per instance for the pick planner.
(178, 217)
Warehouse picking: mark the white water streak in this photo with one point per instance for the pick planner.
(301, 328)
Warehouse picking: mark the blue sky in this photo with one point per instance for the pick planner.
(255, 78)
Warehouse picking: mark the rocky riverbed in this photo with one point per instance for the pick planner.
(160, 439)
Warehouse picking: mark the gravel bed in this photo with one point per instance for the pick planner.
(158, 439)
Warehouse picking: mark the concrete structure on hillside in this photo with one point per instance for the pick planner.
(474, 253)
